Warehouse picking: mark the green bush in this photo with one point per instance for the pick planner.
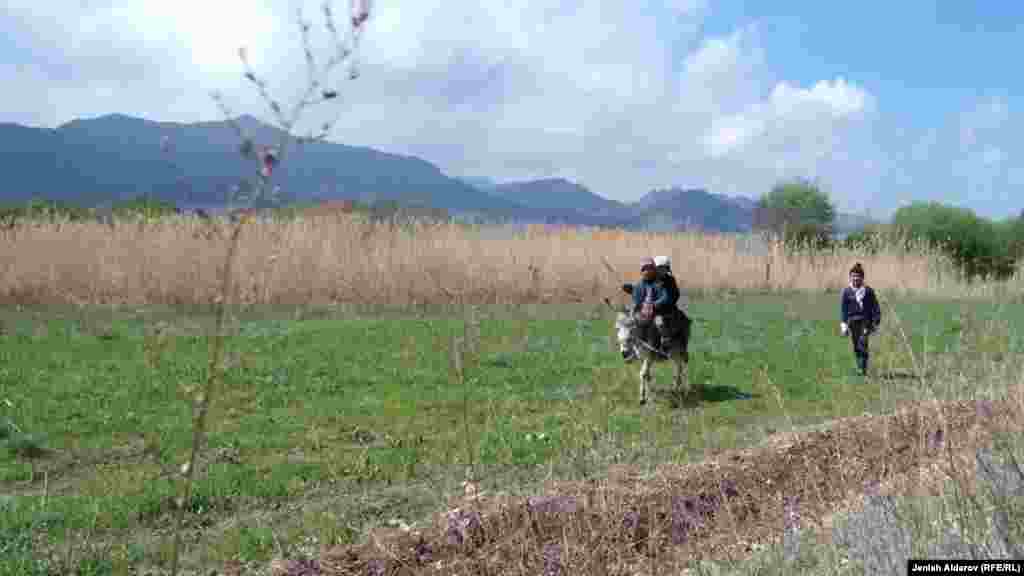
(978, 247)
(40, 210)
(871, 239)
(1012, 232)
(145, 207)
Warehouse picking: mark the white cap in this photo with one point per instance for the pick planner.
(662, 261)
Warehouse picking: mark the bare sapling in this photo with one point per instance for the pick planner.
(319, 90)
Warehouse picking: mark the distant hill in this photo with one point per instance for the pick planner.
(694, 208)
(560, 195)
(660, 209)
(846, 223)
(114, 157)
(480, 182)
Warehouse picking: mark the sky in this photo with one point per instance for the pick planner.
(881, 103)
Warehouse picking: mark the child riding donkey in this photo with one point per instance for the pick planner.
(655, 300)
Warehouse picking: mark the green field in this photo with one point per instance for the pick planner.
(329, 422)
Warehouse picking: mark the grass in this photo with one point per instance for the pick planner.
(332, 423)
(889, 527)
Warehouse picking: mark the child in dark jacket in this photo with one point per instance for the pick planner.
(663, 274)
(671, 321)
(649, 295)
(860, 315)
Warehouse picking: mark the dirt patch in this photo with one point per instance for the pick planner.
(715, 509)
(59, 472)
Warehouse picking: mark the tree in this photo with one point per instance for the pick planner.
(320, 89)
(1015, 232)
(977, 246)
(798, 212)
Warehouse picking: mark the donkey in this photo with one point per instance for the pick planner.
(635, 341)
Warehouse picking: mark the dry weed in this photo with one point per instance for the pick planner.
(317, 261)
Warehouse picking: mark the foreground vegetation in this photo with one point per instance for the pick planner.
(333, 422)
(339, 420)
(338, 416)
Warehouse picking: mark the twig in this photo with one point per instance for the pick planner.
(286, 123)
(205, 397)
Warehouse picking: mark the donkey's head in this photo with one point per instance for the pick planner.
(625, 332)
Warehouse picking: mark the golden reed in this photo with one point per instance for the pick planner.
(346, 258)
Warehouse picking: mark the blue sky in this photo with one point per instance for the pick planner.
(927, 57)
(883, 103)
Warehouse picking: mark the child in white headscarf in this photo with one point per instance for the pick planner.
(860, 315)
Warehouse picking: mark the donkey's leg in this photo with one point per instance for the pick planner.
(645, 376)
(680, 371)
(683, 361)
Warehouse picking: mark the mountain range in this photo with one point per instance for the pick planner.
(115, 157)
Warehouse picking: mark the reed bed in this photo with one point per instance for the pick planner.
(348, 259)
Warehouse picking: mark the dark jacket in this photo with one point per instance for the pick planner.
(869, 311)
(656, 291)
(670, 285)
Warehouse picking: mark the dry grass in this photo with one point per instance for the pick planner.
(349, 259)
(718, 510)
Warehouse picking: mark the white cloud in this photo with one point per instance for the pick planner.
(992, 156)
(982, 164)
(971, 159)
(810, 111)
(689, 7)
(838, 97)
(730, 133)
(598, 91)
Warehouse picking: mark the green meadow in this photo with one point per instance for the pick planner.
(332, 421)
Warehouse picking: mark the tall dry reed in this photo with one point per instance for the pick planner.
(349, 259)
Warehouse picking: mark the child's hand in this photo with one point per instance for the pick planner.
(647, 311)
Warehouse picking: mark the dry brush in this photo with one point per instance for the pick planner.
(348, 259)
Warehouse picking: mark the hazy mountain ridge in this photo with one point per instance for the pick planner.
(115, 156)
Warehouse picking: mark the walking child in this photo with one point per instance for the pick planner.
(860, 315)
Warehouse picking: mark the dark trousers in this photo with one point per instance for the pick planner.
(859, 332)
(648, 332)
(673, 324)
